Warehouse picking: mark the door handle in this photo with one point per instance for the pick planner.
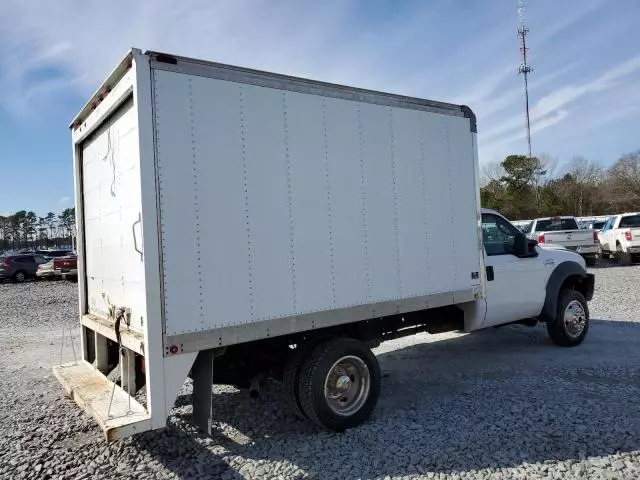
(490, 274)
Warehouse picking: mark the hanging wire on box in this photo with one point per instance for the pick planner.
(109, 156)
(120, 316)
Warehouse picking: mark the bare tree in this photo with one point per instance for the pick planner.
(493, 171)
(548, 166)
(624, 180)
(586, 176)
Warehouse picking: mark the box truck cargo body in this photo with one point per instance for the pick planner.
(219, 206)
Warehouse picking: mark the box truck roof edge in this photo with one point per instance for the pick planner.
(184, 63)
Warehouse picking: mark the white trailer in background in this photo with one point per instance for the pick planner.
(236, 224)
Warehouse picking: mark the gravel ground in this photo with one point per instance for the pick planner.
(498, 404)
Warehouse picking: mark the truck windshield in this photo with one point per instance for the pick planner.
(556, 224)
(631, 221)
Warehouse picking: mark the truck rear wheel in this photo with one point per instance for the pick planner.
(291, 379)
(571, 324)
(339, 384)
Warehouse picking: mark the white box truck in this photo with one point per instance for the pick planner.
(236, 224)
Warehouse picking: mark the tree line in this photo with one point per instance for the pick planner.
(522, 187)
(26, 230)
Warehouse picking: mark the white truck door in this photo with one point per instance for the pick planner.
(515, 286)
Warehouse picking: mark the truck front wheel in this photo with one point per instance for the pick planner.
(571, 324)
(339, 384)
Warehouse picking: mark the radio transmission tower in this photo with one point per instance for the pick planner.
(524, 69)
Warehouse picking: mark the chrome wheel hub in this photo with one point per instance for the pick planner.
(575, 318)
(347, 385)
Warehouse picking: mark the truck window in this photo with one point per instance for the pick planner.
(527, 228)
(498, 235)
(556, 225)
(632, 221)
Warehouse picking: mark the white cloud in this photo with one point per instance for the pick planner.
(328, 40)
(566, 95)
(64, 202)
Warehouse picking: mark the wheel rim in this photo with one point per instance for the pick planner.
(347, 385)
(575, 318)
(20, 277)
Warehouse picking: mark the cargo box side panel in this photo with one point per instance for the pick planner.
(111, 193)
(277, 204)
(463, 231)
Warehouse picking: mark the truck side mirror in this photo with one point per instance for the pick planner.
(524, 247)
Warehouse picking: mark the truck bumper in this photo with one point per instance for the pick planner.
(590, 250)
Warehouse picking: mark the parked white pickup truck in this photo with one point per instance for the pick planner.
(620, 237)
(565, 232)
(261, 225)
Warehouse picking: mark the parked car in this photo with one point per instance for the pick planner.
(620, 237)
(20, 267)
(66, 267)
(565, 232)
(46, 270)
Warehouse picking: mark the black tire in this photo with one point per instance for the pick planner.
(314, 373)
(564, 331)
(291, 379)
(591, 261)
(20, 276)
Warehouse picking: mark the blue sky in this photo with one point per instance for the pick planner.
(585, 89)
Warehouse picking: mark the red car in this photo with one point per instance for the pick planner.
(66, 267)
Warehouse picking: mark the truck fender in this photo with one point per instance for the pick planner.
(557, 278)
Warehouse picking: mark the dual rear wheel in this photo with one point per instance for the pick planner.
(335, 384)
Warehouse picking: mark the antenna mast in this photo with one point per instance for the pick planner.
(524, 69)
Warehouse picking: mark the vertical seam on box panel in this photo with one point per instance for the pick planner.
(327, 174)
(451, 219)
(196, 199)
(292, 245)
(163, 311)
(245, 184)
(156, 119)
(425, 200)
(365, 234)
(394, 180)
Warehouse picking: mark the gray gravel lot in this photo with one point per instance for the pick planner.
(499, 404)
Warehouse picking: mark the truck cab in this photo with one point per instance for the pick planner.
(529, 282)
